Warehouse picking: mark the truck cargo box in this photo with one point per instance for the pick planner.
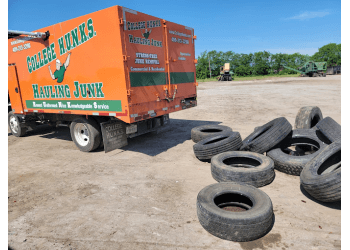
(115, 62)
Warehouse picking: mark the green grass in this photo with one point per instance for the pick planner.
(241, 78)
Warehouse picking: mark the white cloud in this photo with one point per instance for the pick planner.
(309, 14)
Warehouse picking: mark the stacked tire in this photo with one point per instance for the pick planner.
(234, 208)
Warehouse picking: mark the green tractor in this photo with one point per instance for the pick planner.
(311, 69)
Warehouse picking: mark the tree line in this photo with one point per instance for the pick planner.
(263, 63)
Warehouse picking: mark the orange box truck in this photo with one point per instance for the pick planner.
(109, 75)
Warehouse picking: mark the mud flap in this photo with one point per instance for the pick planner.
(113, 135)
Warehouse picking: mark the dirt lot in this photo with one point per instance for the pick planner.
(144, 196)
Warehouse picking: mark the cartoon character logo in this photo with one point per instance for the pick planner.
(146, 34)
(60, 69)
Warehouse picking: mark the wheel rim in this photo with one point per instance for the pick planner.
(14, 124)
(81, 134)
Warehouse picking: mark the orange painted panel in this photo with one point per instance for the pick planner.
(14, 90)
(96, 64)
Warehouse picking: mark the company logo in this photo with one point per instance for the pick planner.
(60, 69)
(72, 39)
(146, 28)
(146, 33)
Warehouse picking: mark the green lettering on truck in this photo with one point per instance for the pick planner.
(75, 37)
(99, 92)
(35, 90)
(45, 56)
(68, 43)
(82, 33)
(61, 44)
(52, 47)
(29, 67)
(90, 27)
(49, 56)
(76, 92)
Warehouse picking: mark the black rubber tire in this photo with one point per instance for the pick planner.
(323, 187)
(243, 167)
(209, 147)
(21, 130)
(93, 130)
(330, 128)
(235, 226)
(267, 136)
(199, 133)
(308, 117)
(293, 164)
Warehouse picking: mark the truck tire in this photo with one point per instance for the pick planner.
(291, 164)
(234, 212)
(15, 125)
(243, 167)
(267, 136)
(209, 147)
(201, 132)
(321, 177)
(308, 117)
(85, 134)
(330, 128)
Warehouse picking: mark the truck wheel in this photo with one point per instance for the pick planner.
(201, 132)
(308, 117)
(234, 212)
(209, 147)
(321, 177)
(15, 125)
(85, 134)
(267, 136)
(243, 167)
(292, 162)
(330, 128)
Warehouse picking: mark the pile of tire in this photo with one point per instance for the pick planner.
(234, 208)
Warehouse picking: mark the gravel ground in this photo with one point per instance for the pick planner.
(144, 195)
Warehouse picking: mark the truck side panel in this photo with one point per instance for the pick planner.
(78, 70)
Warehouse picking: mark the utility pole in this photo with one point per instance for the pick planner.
(209, 68)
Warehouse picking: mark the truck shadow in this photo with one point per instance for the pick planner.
(177, 132)
(51, 132)
(154, 143)
(335, 205)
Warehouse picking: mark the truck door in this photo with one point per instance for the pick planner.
(145, 60)
(14, 90)
(181, 57)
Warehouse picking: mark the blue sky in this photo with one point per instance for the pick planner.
(287, 26)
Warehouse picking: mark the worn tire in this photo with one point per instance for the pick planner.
(209, 147)
(308, 117)
(17, 129)
(267, 136)
(243, 167)
(201, 132)
(90, 131)
(248, 225)
(330, 128)
(293, 164)
(324, 187)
